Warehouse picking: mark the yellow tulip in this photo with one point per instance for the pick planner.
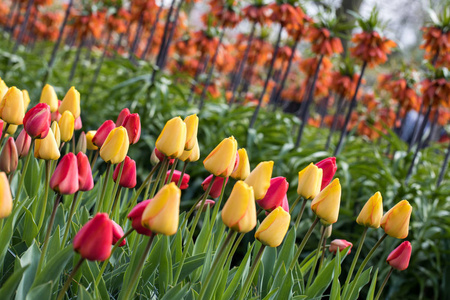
(259, 179)
(371, 213)
(66, 126)
(243, 169)
(26, 100)
(309, 181)
(326, 204)
(191, 131)
(48, 95)
(6, 203)
(46, 148)
(3, 88)
(71, 102)
(115, 147)
(396, 221)
(56, 133)
(12, 129)
(89, 136)
(222, 159)
(172, 139)
(239, 212)
(162, 212)
(273, 228)
(11, 107)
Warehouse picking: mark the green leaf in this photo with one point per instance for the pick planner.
(8, 288)
(43, 291)
(286, 252)
(83, 294)
(190, 265)
(336, 287)
(360, 283)
(31, 228)
(285, 290)
(31, 259)
(165, 266)
(322, 281)
(54, 267)
(373, 285)
(177, 292)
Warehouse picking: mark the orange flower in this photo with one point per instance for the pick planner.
(371, 47)
(323, 43)
(436, 92)
(257, 14)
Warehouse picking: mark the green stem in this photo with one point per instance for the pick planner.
(69, 220)
(46, 186)
(162, 181)
(116, 188)
(183, 171)
(303, 243)
(316, 258)
(186, 218)
(102, 195)
(322, 257)
(94, 160)
(384, 284)
(236, 245)
(252, 272)
(24, 171)
(116, 201)
(300, 214)
(158, 178)
(69, 279)
(172, 170)
(4, 133)
(294, 204)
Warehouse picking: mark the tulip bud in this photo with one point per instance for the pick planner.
(162, 213)
(78, 123)
(275, 194)
(157, 157)
(85, 180)
(328, 229)
(132, 124)
(372, 212)
(48, 96)
(56, 132)
(89, 144)
(191, 131)
(6, 203)
(172, 139)
(259, 179)
(135, 216)
(26, 100)
(115, 147)
(222, 159)
(23, 143)
(326, 204)
(243, 169)
(47, 148)
(11, 107)
(217, 185)
(117, 234)
(176, 177)
(12, 129)
(273, 228)
(66, 126)
(9, 157)
(239, 212)
(396, 221)
(102, 133)
(55, 114)
(328, 166)
(64, 180)
(81, 144)
(341, 245)
(71, 102)
(94, 239)
(123, 114)
(128, 178)
(191, 155)
(3, 89)
(208, 203)
(309, 181)
(37, 121)
(399, 258)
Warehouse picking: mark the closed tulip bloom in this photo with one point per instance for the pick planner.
(66, 126)
(48, 96)
(191, 155)
(115, 147)
(259, 179)
(123, 114)
(208, 203)
(326, 204)
(221, 161)
(172, 139)
(275, 194)
(117, 234)
(3, 88)
(78, 123)
(370, 215)
(132, 124)
(328, 166)
(81, 144)
(64, 180)
(341, 245)
(396, 221)
(37, 121)
(328, 231)
(56, 133)
(243, 168)
(157, 157)
(399, 258)
(85, 180)
(71, 102)
(23, 143)
(217, 185)
(309, 181)
(89, 136)
(55, 114)
(162, 213)
(176, 177)
(9, 157)
(273, 228)
(6, 203)
(11, 107)
(47, 148)
(26, 100)
(239, 212)
(102, 133)
(128, 178)
(191, 131)
(285, 203)
(94, 239)
(135, 216)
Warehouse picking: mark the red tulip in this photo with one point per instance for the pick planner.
(176, 177)
(123, 114)
(328, 166)
(132, 124)
(23, 143)
(158, 157)
(56, 115)
(117, 234)
(9, 157)
(37, 121)
(2, 126)
(216, 186)
(275, 194)
(399, 257)
(341, 245)
(285, 204)
(85, 180)
(95, 238)
(65, 178)
(208, 203)
(102, 133)
(78, 124)
(135, 216)
(128, 178)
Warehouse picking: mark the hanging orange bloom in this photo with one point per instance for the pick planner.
(436, 92)
(371, 47)
(323, 43)
(257, 14)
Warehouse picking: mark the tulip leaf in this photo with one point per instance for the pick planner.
(373, 285)
(286, 252)
(54, 243)
(336, 286)
(360, 283)
(270, 294)
(54, 267)
(190, 265)
(87, 269)
(31, 228)
(8, 288)
(177, 292)
(223, 280)
(32, 180)
(43, 291)
(268, 261)
(165, 266)
(285, 289)
(31, 259)
(322, 281)
(244, 266)
(83, 294)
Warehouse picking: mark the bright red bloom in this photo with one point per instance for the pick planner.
(23, 143)
(85, 180)
(123, 114)
(275, 194)
(117, 234)
(328, 166)
(132, 124)
(400, 256)
(216, 186)
(176, 177)
(135, 216)
(37, 121)
(128, 178)
(65, 178)
(102, 133)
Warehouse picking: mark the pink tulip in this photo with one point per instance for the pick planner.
(78, 124)
(9, 157)
(56, 115)
(158, 157)
(208, 203)
(216, 188)
(85, 180)
(37, 121)
(400, 256)
(285, 204)
(341, 245)
(128, 178)
(328, 166)
(102, 133)
(132, 124)
(65, 178)
(176, 177)
(23, 143)
(123, 114)
(135, 216)
(275, 194)
(117, 234)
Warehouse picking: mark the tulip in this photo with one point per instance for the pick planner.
(3, 88)
(162, 213)
(71, 102)
(217, 185)
(222, 159)
(12, 129)
(326, 204)
(64, 180)
(275, 194)
(55, 114)
(81, 144)
(89, 136)
(102, 133)
(26, 100)
(57, 133)
(132, 124)
(37, 121)
(370, 215)
(6, 203)
(208, 203)
(94, 239)
(259, 179)
(78, 124)
(328, 231)
(66, 126)
(191, 155)
(48, 96)
(328, 166)
(285, 203)
(157, 157)
(11, 107)
(176, 177)
(309, 181)
(172, 139)
(9, 157)
(243, 169)
(23, 143)
(85, 180)
(399, 258)
(239, 212)
(396, 221)
(341, 245)
(191, 131)
(135, 216)
(47, 148)
(115, 147)
(117, 234)
(128, 178)
(123, 114)
(273, 228)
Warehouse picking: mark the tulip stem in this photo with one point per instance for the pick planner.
(163, 178)
(47, 179)
(322, 257)
(294, 204)
(316, 258)
(303, 243)
(235, 246)
(252, 272)
(102, 195)
(172, 170)
(4, 132)
(183, 171)
(69, 219)
(363, 264)
(116, 200)
(300, 214)
(192, 210)
(95, 159)
(69, 279)
(384, 283)
(116, 191)
(158, 178)
(24, 171)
